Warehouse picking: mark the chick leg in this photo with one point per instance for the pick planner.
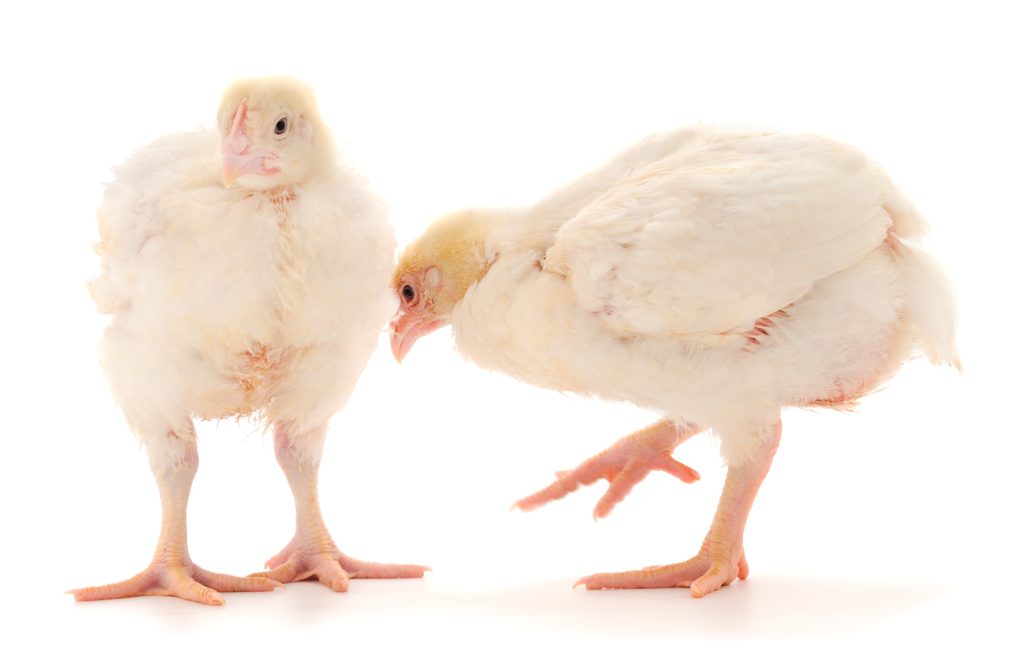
(174, 462)
(625, 464)
(721, 558)
(311, 551)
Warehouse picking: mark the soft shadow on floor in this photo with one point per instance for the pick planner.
(766, 606)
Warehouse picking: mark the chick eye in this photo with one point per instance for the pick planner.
(281, 127)
(408, 293)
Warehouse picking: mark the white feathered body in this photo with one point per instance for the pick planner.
(715, 277)
(227, 301)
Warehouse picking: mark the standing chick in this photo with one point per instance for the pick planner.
(253, 281)
(714, 277)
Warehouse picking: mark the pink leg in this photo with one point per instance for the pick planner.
(174, 462)
(312, 552)
(625, 464)
(721, 558)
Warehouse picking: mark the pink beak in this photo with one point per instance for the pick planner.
(406, 329)
(239, 155)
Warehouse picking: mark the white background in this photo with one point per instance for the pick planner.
(889, 535)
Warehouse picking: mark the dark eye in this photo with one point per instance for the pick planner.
(281, 127)
(408, 293)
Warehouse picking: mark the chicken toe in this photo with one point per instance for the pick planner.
(178, 578)
(312, 552)
(625, 464)
(320, 558)
(721, 558)
(706, 572)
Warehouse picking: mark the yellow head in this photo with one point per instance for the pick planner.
(271, 133)
(435, 271)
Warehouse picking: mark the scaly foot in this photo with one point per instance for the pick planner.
(706, 572)
(720, 559)
(317, 556)
(180, 578)
(312, 552)
(625, 464)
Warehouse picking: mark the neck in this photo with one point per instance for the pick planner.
(467, 260)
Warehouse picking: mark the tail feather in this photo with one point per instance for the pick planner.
(931, 306)
(929, 298)
(907, 222)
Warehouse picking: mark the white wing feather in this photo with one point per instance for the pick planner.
(719, 230)
(134, 209)
(535, 227)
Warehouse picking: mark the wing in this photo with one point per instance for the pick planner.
(134, 208)
(720, 233)
(536, 227)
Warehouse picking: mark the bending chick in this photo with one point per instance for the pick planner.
(712, 276)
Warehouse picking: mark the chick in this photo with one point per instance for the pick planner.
(715, 277)
(246, 273)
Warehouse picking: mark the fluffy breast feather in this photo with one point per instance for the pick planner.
(237, 287)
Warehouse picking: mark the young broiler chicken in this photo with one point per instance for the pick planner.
(715, 277)
(253, 281)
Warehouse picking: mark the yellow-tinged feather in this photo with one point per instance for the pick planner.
(454, 245)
